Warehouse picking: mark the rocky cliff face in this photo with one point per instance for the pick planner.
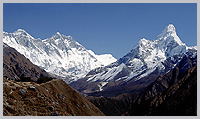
(163, 82)
(180, 99)
(53, 98)
(18, 67)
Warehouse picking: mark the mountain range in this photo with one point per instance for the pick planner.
(167, 91)
(155, 75)
(172, 94)
(59, 55)
(138, 68)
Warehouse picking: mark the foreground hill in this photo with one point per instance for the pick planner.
(55, 97)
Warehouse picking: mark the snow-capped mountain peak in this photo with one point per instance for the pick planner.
(23, 33)
(170, 28)
(167, 44)
(142, 65)
(147, 56)
(60, 36)
(143, 41)
(60, 55)
(169, 35)
(58, 33)
(20, 30)
(57, 36)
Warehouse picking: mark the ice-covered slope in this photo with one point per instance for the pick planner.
(147, 57)
(60, 55)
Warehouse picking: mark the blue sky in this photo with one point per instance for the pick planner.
(106, 27)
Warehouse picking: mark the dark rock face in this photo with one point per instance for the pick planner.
(180, 99)
(113, 106)
(164, 82)
(18, 67)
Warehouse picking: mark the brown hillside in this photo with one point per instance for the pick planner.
(51, 98)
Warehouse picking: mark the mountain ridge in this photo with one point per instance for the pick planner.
(146, 58)
(17, 67)
(59, 55)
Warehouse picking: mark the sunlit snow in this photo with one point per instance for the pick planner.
(60, 55)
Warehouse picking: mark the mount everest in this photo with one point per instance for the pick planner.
(60, 55)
